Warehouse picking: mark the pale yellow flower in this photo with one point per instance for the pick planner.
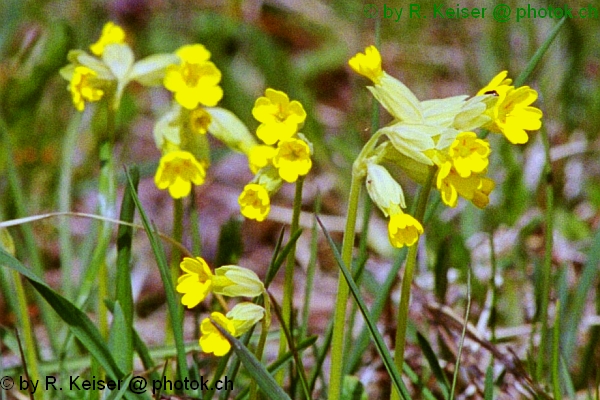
(403, 229)
(177, 171)
(212, 340)
(280, 118)
(368, 64)
(292, 159)
(255, 202)
(84, 87)
(469, 154)
(111, 34)
(196, 79)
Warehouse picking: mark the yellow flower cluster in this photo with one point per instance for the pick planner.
(231, 280)
(437, 134)
(285, 156)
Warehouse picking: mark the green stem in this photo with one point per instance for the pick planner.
(339, 317)
(411, 263)
(547, 267)
(175, 258)
(266, 324)
(288, 288)
(25, 327)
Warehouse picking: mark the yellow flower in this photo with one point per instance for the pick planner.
(498, 83)
(292, 159)
(260, 156)
(177, 171)
(254, 202)
(474, 188)
(510, 109)
(280, 118)
(83, 87)
(200, 120)
(196, 283)
(111, 34)
(212, 341)
(368, 64)
(195, 80)
(513, 115)
(403, 229)
(235, 281)
(469, 154)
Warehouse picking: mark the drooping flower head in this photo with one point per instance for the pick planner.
(475, 187)
(403, 230)
(511, 113)
(84, 87)
(196, 283)
(177, 171)
(292, 159)
(280, 118)
(196, 79)
(238, 321)
(235, 281)
(368, 64)
(111, 34)
(212, 341)
(255, 202)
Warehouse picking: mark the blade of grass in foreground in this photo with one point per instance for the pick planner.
(79, 323)
(165, 273)
(255, 369)
(377, 338)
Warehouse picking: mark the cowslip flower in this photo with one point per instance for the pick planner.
(474, 187)
(229, 280)
(260, 156)
(254, 202)
(511, 112)
(469, 154)
(212, 340)
(196, 79)
(196, 283)
(111, 34)
(368, 64)
(237, 322)
(84, 86)
(177, 171)
(280, 118)
(403, 229)
(292, 159)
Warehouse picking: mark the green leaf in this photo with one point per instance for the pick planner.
(433, 363)
(173, 305)
(488, 392)
(79, 323)
(124, 386)
(375, 335)
(120, 341)
(255, 369)
(278, 259)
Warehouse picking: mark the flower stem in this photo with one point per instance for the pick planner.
(288, 288)
(339, 319)
(411, 263)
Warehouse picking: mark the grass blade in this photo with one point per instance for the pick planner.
(377, 338)
(433, 363)
(81, 326)
(255, 369)
(278, 261)
(165, 274)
